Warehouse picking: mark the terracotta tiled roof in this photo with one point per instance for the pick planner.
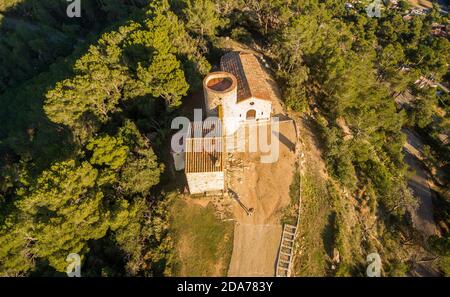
(203, 153)
(205, 160)
(249, 74)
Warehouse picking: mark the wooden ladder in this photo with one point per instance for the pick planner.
(286, 251)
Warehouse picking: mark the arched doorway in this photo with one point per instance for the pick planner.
(251, 114)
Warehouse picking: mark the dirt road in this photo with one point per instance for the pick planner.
(265, 188)
(422, 216)
(255, 250)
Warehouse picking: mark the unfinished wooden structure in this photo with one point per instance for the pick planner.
(286, 251)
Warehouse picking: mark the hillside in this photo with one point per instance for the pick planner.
(88, 108)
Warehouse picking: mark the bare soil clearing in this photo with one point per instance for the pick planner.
(265, 188)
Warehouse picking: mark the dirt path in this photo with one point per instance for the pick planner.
(255, 250)
(265, 188)
(422, 216)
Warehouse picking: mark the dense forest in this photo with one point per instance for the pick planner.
(86, 105)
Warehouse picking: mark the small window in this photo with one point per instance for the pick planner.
(252, 103)
(240, 115)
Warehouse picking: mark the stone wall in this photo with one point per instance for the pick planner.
(214, 95)
(201, 182)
